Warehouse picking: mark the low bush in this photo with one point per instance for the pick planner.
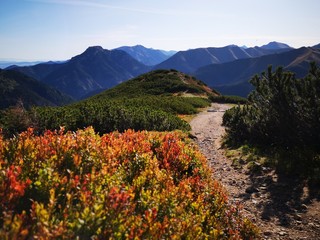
(149, 113)
(283, 113)
(131, 185)
(228, 99)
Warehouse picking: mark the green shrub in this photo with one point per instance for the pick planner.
(228, 99)
(106, 117)
(283, 113)
(148, 102)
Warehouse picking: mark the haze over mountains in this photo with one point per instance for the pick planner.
(228, 69)
(7, 63)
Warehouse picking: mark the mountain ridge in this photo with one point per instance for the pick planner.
(236, 82)
(147, 56)
(101, 69)
(190, 60)
(95, 68)
(16, 86)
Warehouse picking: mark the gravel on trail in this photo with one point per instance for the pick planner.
(280, 206)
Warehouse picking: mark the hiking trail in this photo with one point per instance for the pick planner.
(268, 200)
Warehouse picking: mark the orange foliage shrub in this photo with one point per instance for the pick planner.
(128, 185)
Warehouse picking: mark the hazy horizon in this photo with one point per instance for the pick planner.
(57, 60)
(33, 30)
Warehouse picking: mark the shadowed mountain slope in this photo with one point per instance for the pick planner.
(94, 69)
(190, 60)
(16, 86)
(233, 78)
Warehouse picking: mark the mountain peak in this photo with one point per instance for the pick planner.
(140, 46)
(147, 56)
(94, 49)
(275, 45)
(232, 45)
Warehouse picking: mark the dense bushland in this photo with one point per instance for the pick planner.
(149, 102)
(283, 113)
(141, 113)
(131, 185)
(228, 99)
(107, 116)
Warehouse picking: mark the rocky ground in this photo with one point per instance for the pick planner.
(282, 207)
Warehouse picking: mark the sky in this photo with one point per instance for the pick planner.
(60, 29)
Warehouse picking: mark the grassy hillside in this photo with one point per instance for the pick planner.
(149, 102)
(159, 82)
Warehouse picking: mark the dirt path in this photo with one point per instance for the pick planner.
(282, 207)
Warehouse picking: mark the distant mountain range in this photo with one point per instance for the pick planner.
(232, 78)
(15, 86)
(191, 60)
(95, 69)
(5, 64)
(11, 64)
(227, 69)
(147, 56)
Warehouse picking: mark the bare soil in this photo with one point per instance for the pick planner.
(283, 207)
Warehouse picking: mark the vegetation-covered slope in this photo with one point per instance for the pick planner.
(150, 102)
(17, 87)
(159, 83)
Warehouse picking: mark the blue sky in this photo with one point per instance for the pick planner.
(60, 29)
